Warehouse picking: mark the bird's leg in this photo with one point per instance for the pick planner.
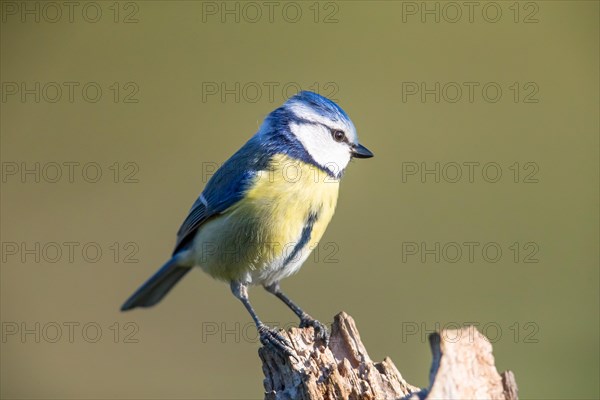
(305, 319)
(268, 336)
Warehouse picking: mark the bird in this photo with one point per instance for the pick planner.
(265, 209)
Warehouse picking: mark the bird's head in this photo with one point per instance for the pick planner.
(321, 128)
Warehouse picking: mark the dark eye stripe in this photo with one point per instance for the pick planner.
(333, 131)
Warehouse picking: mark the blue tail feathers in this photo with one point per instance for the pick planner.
(157, 286)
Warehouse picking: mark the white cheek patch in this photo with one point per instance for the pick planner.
(317, 140)
(303, 111)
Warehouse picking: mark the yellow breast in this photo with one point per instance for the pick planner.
(255, 233)
(288, 193)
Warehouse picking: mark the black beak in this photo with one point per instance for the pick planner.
(360, 151)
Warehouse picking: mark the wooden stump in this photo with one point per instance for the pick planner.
(462, 368)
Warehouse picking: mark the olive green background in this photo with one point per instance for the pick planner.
(543, 316)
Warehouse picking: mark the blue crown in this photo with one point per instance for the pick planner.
(320, 104)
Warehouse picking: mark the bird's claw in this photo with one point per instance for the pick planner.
(271, 337)
(321, 331)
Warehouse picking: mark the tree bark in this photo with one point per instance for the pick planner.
(462, 368)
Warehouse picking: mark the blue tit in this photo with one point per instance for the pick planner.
(265, 208)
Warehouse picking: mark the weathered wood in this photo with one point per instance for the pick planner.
(463, 367)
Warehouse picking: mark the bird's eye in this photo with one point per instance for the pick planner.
(338, 136)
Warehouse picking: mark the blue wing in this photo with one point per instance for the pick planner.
(225, 188)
